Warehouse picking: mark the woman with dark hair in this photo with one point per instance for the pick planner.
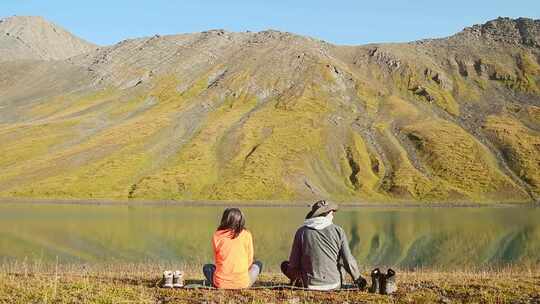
(233, 254)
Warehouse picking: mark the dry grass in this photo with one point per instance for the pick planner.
(138, 283)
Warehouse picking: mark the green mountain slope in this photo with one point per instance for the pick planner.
(276, 116)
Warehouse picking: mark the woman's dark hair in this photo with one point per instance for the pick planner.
(233, 220)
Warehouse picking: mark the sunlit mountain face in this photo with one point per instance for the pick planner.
(271, 116)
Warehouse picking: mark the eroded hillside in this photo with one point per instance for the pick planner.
(276, 116)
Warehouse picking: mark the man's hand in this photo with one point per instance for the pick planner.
(361, 283)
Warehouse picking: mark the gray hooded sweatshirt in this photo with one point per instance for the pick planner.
(319, 250)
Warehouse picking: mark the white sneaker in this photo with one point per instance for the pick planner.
(178, 279)
(167, 279)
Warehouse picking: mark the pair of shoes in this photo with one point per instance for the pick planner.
(361, 283)
(383, 283)
(173, 279)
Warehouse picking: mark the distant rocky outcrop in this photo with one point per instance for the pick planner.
(513, 31)
(271, 116)
(34, 38)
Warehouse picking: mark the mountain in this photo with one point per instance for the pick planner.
(34, 38)
(276, 116)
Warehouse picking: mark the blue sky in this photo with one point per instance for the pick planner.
(342, 22)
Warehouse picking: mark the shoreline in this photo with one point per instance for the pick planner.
(260, 204)
(133, 284)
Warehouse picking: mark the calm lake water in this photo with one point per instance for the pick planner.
(406, 237)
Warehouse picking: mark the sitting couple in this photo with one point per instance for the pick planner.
(319, 251)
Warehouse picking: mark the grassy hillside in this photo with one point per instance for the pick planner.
(276, 116)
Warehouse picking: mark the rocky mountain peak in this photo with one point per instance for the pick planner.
(524, 31)
(35, 38)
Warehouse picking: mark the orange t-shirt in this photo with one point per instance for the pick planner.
(233, 257)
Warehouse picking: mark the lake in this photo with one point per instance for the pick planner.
(405, 237)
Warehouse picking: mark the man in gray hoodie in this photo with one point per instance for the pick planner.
(319, 251)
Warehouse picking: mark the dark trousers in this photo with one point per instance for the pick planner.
(295, 277)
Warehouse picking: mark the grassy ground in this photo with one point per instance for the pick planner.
(25, 283)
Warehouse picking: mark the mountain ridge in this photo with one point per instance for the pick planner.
(276, 116)
(34, 38)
